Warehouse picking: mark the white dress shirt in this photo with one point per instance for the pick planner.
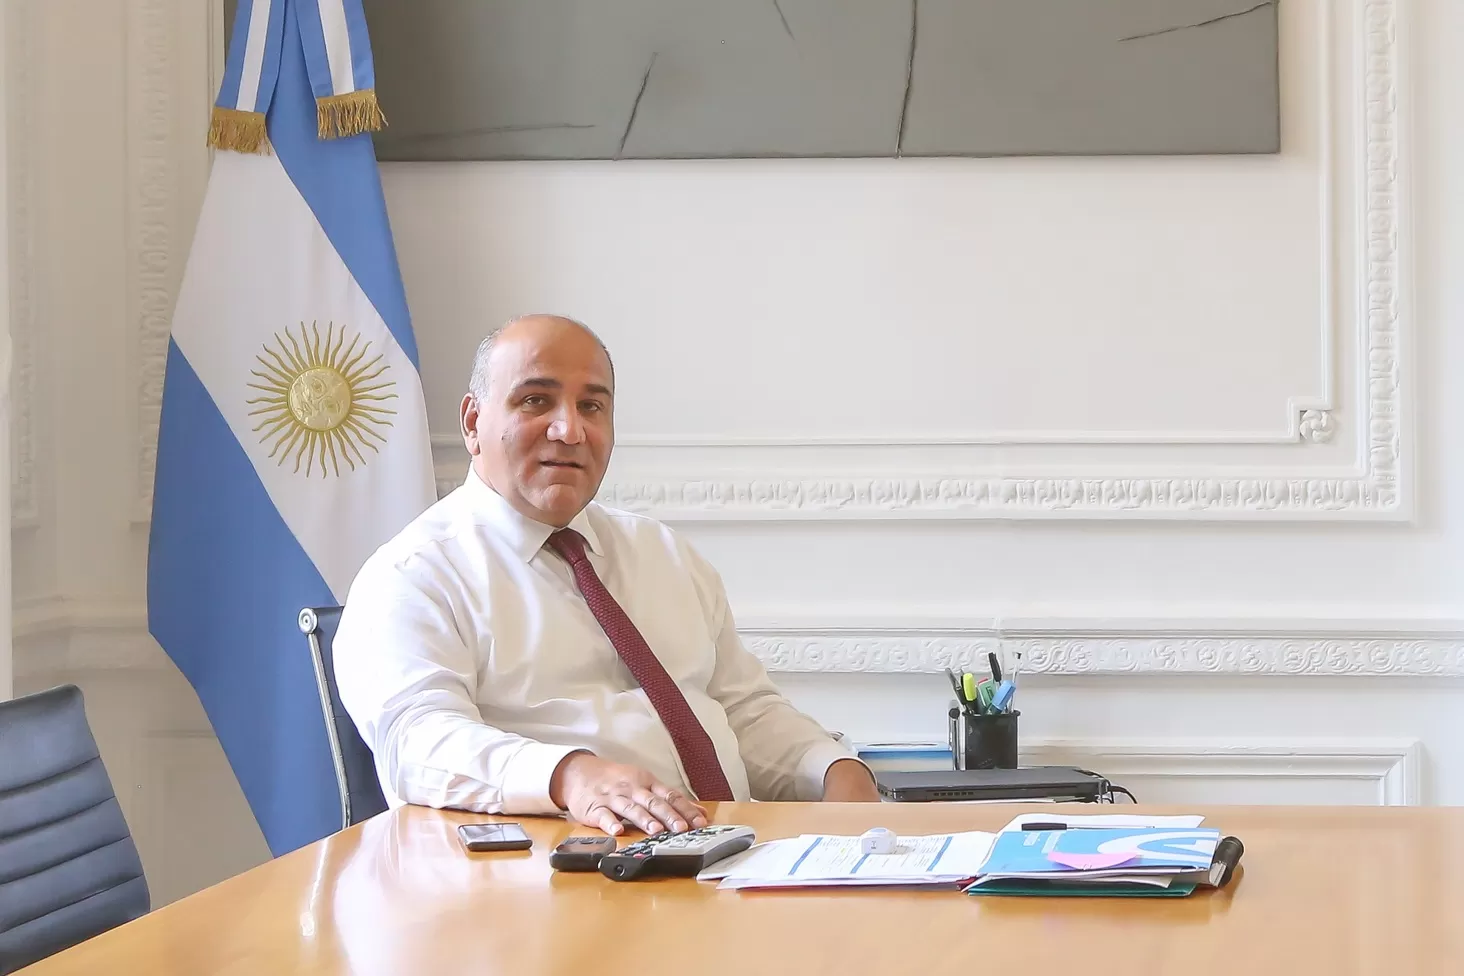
(472, 665)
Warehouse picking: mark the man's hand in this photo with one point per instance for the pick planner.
(849, 781)
(599, 793)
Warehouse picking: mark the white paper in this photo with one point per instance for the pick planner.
(832, 859)
(1104, 820)
(842, 857)
(756, 860)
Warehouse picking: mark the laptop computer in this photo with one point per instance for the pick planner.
(1062, 783)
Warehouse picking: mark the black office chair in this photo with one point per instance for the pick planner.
(355, 766)
(68, 867)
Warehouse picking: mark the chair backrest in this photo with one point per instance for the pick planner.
(355, 766)
(68, 867)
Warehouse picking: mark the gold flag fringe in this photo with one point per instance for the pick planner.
(245, 132)
(338, 116)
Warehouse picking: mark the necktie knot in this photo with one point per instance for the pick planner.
(569, 544)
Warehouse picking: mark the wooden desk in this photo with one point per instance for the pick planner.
(1331, 891)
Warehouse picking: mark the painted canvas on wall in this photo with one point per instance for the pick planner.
(665, 79)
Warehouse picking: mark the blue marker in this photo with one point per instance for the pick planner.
(1003, 696)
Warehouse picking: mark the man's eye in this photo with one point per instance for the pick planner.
(535, 401)
(591, 406)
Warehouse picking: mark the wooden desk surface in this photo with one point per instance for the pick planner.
(1325, 890)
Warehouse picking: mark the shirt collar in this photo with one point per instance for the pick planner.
(523, 534)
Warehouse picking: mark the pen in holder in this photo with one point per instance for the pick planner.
(986, 741)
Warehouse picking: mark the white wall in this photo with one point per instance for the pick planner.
(1175, 430)
(6, 361)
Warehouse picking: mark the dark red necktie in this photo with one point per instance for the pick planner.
(698, 755)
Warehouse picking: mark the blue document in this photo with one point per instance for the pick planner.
(1151, 861)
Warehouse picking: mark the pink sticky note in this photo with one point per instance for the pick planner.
(1090, 862)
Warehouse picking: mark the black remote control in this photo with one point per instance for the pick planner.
(580, 853)
(672, 855)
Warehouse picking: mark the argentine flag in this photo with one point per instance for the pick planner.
(294, 436)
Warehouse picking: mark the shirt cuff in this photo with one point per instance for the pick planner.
(526, 778)
(816, 763)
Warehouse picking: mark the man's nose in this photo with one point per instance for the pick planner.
(567, 428)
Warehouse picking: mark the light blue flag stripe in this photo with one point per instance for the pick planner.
(337, 48)
(234, 66)
(312, 37)
(269, 69)
(253, 63)
(340, 181)
(225, 580)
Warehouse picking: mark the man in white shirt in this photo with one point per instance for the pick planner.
(522, 649)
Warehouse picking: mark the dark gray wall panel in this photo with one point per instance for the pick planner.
(604, 79)
(1048, 77)
(563, 78)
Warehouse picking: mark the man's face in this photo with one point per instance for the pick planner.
(543, 435)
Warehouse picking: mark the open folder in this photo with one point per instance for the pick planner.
(1148, 860)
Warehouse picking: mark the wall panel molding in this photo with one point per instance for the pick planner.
(20, 120)
(1363, 310)
(1394, 765)
(55, 635)
(1171, 651)
(1305, 648)
(155, 126)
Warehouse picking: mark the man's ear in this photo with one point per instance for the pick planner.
(468, 417)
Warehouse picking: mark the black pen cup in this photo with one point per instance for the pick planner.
(984, 741)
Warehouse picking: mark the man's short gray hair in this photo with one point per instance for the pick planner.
(478, 381)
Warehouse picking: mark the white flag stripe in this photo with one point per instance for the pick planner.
(259, 266)
(337, 45)
(254, 46)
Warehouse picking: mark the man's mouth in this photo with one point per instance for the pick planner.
(562, 464)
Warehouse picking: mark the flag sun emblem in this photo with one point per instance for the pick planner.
(323, 399)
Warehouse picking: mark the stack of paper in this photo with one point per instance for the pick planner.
(825, 860)
(1104, 855)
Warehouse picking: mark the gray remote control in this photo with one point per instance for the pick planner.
(671, 855)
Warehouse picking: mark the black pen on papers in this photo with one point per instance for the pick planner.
(1040, 825)
(995, 667)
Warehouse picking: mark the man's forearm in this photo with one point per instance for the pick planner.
(447, 760)
(848, 781)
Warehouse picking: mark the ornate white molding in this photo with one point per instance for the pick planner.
(1382, 216)
(1006, 497)
(20, 98)
(768, 499)
(922, 651)
(1317, 426)
(1305, 648)
(152, 180)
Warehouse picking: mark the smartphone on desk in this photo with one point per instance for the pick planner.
(494, 837)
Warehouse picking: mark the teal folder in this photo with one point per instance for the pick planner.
(1046, 889)
(1122, 862)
